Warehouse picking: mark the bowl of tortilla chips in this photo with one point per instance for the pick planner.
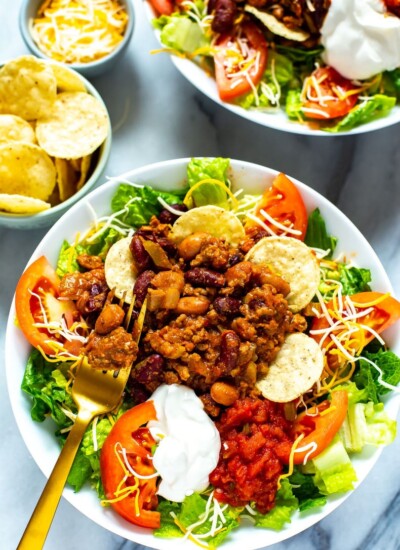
(55, 141)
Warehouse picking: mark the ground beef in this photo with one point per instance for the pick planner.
(88, 289)
(255, 436)
(115, 350)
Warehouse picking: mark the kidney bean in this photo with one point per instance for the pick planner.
(235, 259)
(149, 370)
(225, 14)
(165, 216)
(227, 305)
(141, 286)
(230, 344)
(200, 276)
(141, 257)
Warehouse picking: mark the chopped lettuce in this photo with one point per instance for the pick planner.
(67, 262)
(317, 235)
(46, 383)
(200, 169)
(180, 33)
(368, 377)
(378, 106)
(294, 105)
(391, 83)
(190, 511)
(367, 424)
(278, 74)
(305, 490)
(138, 204)
(334, 472)
(285, 504)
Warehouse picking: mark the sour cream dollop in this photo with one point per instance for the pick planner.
(188, 442)
(361, 39)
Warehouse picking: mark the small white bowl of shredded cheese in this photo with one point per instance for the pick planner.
(89, 37)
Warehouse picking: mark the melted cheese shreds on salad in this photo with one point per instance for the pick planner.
(361, 39)
(79, 31)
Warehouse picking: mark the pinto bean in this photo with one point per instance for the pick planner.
(111, 317)
(141, 286)
(200, 276)
(224, 393)
(191, 246)
(88, 261)
(169, 279)
(140, 256)
(193, 305)
(264, 276)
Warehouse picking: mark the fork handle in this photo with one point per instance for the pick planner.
(38, 527)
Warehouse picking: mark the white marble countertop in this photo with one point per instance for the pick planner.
(165, 118)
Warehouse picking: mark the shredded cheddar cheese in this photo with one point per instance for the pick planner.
(79, 31)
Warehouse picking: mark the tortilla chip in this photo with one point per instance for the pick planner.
(15, 128)
(66, 178)
(75, 126)
(67, 80)
(84, 169)
(296, 368)
(209, 219)
(119, 269)
(27, 170)
(27, 87)
(18, 204)
(294, 262)
(277, 27)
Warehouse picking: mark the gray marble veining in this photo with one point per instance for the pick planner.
(157, 115)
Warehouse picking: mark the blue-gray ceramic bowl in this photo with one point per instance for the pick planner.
(48, 217)
(28, 11)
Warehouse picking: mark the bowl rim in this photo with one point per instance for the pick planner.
(104, 155)
(79, 67)
(281, 123)
(119, 526)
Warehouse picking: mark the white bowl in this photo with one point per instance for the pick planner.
(40, 438)
(277, 120)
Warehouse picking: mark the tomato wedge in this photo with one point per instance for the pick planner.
(37, 292)
(235, 73)
(332, 95)
(385, 311)
(162, 7)
(128, 436)
(283, 202)
(319, 425)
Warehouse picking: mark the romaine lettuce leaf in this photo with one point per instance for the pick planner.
(377, 106)
(294, 105)
(189, 512)
(317, 235)
(305, 490)
(334, 472)
(285, 504)
(139, 204)
(46, 383)
(205, 168)
(367, 376)
(181, 33)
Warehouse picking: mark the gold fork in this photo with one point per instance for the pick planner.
(95, 392)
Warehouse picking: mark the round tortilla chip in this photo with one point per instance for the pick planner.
(277, 27)
(119, 269)
(26, 170)
(294, 262)
(209, 219)
(28, 87)
(18, 204)
(75, 126)
(15, 128)
(67, 80)
(296, 368)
